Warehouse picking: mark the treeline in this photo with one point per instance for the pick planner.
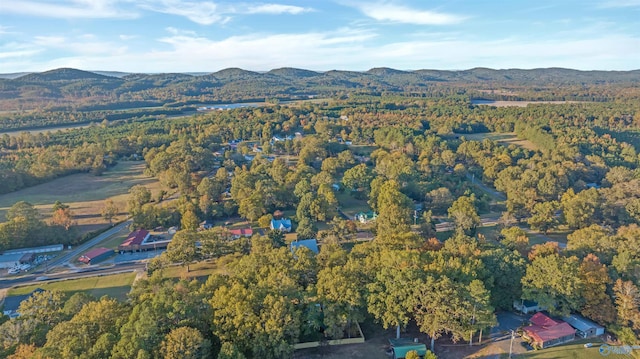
(24, 228)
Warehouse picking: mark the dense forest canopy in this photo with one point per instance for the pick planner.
(411, 147)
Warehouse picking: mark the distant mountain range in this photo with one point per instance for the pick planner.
(68, 87)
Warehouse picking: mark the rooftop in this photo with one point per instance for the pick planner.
(136, 237)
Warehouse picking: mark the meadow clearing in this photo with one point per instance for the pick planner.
(506, 139)
(85, 194)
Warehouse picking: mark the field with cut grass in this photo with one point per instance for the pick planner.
(115, 285)
(574, 350)
(201, 269)
(85, 193)
(505, 139)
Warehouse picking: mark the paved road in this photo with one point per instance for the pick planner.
(498, 196)
(65, 258)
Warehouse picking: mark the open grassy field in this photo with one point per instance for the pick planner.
(350, 205)
(85, 193)
(116, 286)
(506, 139)
(201, 269)
(574, 350)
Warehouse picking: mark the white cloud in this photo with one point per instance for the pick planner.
(66, 9)
(344, 49)
(16, 50)
(383, 11)
(200, 12)
(85, 45)
(125, 37)
(276, 9)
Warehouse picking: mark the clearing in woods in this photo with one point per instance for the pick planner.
(506, 139)
(85, 194)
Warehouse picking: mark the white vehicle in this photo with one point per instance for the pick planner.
(14, 270)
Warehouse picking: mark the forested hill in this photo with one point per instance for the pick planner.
(74, 89)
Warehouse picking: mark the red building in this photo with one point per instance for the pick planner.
(95, 255)
(134, 241)
(545, 332)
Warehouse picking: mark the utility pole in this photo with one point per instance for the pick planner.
(415, 217)
(513, 334)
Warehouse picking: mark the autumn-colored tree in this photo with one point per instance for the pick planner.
(63, 217)
(597, 303)
(627, 303)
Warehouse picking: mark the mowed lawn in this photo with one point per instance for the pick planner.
(115, 285)
(506, 139)
(85, 193)
(571, 351)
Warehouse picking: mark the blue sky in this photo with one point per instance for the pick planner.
(207, 36)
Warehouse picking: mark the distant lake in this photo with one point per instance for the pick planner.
(230, 106)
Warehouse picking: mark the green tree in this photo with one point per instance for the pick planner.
(87, 329)
(395, 211)
(579, 210)
(358, 180)
(189, 221)
(464, 214)
(543, 216)
(109, 211)
(554, 283)
(185, 343)
(23, 210)
(390, 293)
(229, 351)
(139, 195)
(182, 248)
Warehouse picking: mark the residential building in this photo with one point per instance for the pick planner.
(283, 224)
(545, 332)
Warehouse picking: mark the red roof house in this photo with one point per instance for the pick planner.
(95, 255)
(134, 240)
(545, 332)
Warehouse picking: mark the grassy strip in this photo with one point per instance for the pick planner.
(115, 285)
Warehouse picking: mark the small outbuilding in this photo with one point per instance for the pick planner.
(527, 306)
(96, 255)
(583, 326)
(402, 346)
(28, 258)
